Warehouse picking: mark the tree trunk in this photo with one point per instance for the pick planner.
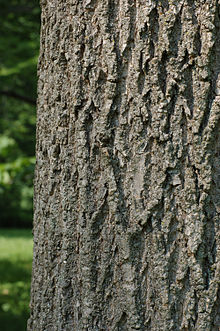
(127, 185)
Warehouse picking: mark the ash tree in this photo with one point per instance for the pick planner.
(127, 182)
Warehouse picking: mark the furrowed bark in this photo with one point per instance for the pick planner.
(127, 184)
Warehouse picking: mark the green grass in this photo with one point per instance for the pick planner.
(15, 276)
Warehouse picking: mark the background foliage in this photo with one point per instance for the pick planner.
(19, 43)
(16, 247)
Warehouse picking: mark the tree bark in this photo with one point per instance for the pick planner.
(127, 184)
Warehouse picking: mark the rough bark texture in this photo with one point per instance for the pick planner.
(127, 188)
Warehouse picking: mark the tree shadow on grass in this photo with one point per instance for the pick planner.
(13, 271)
(14, 233)
(14, 294)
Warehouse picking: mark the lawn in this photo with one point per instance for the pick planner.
(15, 276)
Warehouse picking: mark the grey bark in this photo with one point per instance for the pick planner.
(127, 185)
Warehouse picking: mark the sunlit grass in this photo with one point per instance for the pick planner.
(15, 277)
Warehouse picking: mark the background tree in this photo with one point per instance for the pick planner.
(19, 43)
(127, 204)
